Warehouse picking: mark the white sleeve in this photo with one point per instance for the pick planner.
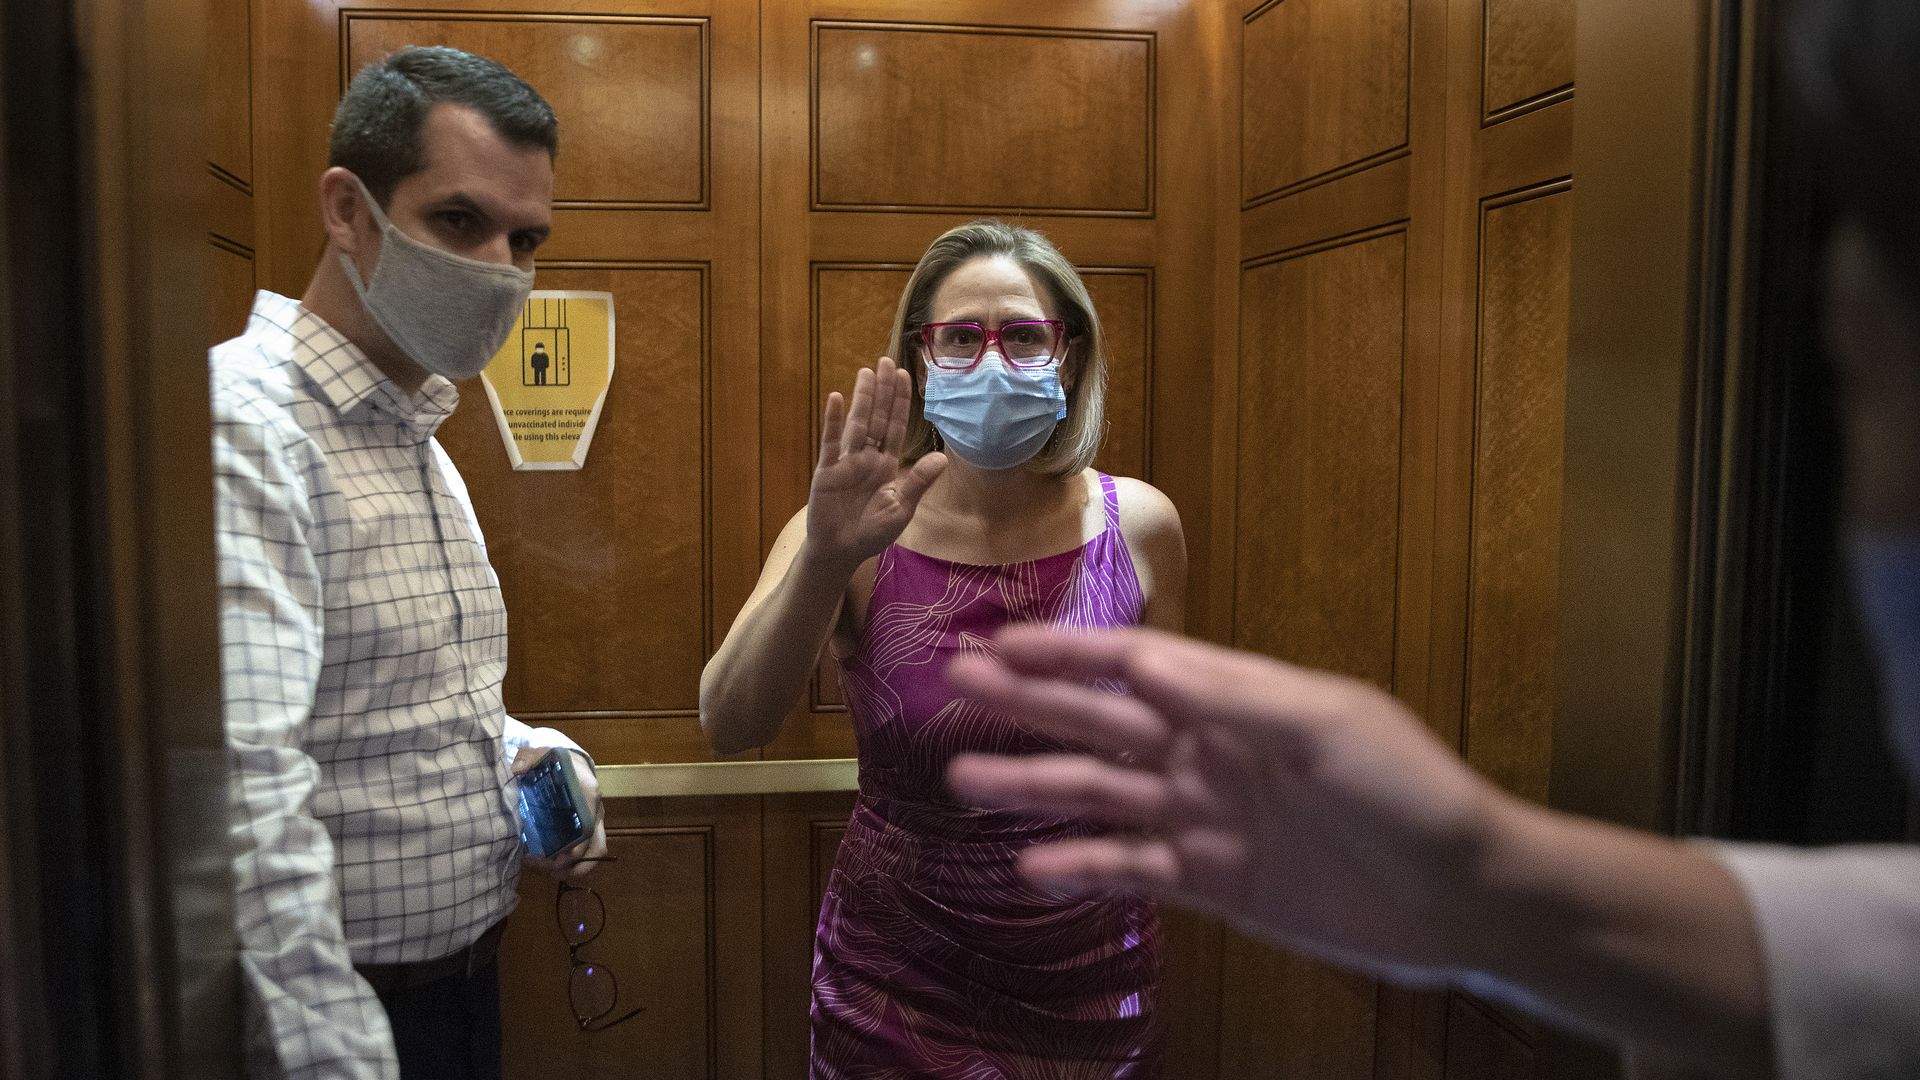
(1840, 929)
(515, 736)
(309, 1015)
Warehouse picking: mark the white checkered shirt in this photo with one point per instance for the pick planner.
(363, 646)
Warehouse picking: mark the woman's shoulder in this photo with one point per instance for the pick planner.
(1145, 510)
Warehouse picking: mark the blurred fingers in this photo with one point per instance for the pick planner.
(1109, 722)
(1066, 785)
(1102, 865)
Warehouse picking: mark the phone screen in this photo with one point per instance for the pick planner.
(549, 819)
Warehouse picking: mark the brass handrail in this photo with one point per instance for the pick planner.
(728, 778)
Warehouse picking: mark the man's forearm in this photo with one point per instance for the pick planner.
(1648, 939)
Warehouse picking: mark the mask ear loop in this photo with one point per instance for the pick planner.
(917, 343)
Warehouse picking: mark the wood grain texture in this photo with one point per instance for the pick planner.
(803, 833)
(1282, 1016)
(983, 118)
(230, 290)
(683, 937)
(229, 89)
(1513, 612)
(1124, 300)
(631, 94)
(659, 942)
(1324, 87)
(1319, 447)
(1529, 52)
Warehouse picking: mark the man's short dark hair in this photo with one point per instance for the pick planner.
(1853, 73)
(377, 130)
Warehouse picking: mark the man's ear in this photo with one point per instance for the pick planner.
(343, 210)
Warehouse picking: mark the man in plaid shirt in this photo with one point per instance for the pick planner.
(363, 635)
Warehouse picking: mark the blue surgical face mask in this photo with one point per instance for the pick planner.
(1886, 575)
(995, 416)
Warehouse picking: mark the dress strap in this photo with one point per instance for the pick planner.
(1113, 500)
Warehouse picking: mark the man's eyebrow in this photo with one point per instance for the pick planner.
(463, 201)
(460, 200)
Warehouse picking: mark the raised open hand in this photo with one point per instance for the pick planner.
(861, 498)
(1307, 809)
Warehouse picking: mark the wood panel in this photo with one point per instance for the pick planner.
(682, 938)
(1315, 556)
(1529, 54)
(229, 92)
(901, 119)
(1326, 471)
(1494, 619)
(605, 569)
(1324, 89)
(1319, 445)
(1513, 593)
(1124, 300)
(1308, 1020)
(803, 833)
(633, 91)
(230, 289)
(853, 308)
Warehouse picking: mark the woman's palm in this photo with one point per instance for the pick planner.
(861, 498)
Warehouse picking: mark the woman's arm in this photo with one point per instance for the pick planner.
(1158, 546)
(762, 667)
(861, 500)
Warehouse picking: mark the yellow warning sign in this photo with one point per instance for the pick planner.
(549, 382)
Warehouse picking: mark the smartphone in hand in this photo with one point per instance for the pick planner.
(554, 814)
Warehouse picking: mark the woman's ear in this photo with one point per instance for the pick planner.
(1070, 363)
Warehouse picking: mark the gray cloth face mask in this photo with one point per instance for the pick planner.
(448, 313)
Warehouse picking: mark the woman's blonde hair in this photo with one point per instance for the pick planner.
(1077, 438)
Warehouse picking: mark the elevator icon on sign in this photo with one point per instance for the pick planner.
(546, 355)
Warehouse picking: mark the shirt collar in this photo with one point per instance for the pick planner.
(347, 380)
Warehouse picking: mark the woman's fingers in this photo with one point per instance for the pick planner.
(1070, 709)
(882, 405)
(1188, 682)
(859, 413)
(896, 437)
(1095, 866)
(919, 478)
(831, 424)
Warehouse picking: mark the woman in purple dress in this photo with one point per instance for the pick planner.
(955, 494)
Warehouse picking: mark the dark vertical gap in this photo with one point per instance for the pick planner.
(62, 751)
(1807, 761)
